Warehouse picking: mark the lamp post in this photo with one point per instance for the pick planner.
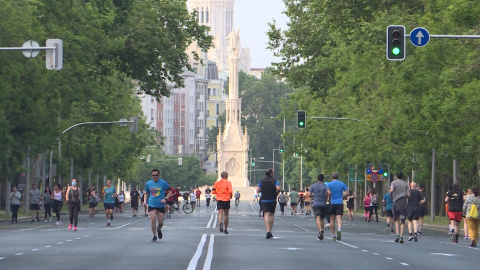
(283, 158)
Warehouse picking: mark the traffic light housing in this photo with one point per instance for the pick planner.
(396, 42)
(252, 162)
(281, 149)
(133, 124)
(301, 119)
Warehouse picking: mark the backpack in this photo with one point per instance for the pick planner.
(374, 199)
(473, 213)
(367, 200)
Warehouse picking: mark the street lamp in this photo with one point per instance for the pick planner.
(283, 158)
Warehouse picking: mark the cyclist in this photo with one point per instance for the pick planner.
(237, 198)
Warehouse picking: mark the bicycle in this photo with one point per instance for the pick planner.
(237, 201)
(187, 207)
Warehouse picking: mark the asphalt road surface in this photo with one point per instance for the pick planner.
(193, 241)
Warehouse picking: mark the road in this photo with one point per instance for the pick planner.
(194, 242)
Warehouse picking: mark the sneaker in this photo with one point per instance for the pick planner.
(466, 237)
(401, 240)
(339, 235)
(74, 229)
(45, 221)
(221, 227)
(225, 231)
(377, 220)
(450, 231)
(419, 232)
(50, 219)
(410, 238)
(397, 239)
(334, 238)
(320, 236)
(159, 232)
(269, 235)
(108, 224)
(154, 239)
(56, 223)
(70, 226)
(415, 239)
(33, 220)
(291, 214)
(392, 230)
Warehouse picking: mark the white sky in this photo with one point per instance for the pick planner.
(252, 17)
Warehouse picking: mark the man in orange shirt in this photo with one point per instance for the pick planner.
(223, 190)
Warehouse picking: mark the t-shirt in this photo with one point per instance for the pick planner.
(319, 191)
(171, 197)
(282, 198)
(268, 186)
(134, 195)
(109, 191)
(223, 190)
(198, 192)
(388, 201)
(415, 198)
(34, 194)
(237, 195)
(121, 198)
(156, 192)
(193, 197)
(399, 188)
(455, 200)
(207, 195)
(337, 188)
(293, 196)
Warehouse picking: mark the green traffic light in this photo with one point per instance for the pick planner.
(301, 123)
(385, 174)
(396, 51)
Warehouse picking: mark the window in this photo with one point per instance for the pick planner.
(201, 16)
(206, 16)
(217, 108)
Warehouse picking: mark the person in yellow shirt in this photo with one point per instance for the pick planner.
(223, 190)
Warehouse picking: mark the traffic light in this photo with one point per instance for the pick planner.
(385, 174)
(396, 42)
(301, 119)
(253, 162)
(281, 149)
(133, 124)
(295, 154)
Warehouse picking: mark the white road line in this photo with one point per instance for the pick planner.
(193, 262)
(208, 260)
(48, 246)
(406, 264)
(1, 258)
(364, 250)
(215, 220)
(375, 254)
(348, 245)
(29, 229)
(211, 220)
(18, 254)
(35, 249)
(59, 243)
(69, 240)
(388, 258)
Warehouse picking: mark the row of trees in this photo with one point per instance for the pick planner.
(333, 53)
(110, 49)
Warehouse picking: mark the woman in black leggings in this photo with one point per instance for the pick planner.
(57, 198)
(73, 200)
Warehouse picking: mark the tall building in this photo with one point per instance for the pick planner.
(232, 143)
(219, 15)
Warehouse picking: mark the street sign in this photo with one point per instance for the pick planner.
(419, 36)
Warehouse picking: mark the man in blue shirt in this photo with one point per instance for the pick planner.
(109, 194)
(320, 208)
(388, 202)
(336, 192)
(156, 188)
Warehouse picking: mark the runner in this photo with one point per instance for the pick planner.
(269, 188)
(208, 195)
(308, 201)
(224, 192)
(121, 201)
(72, 198)
(414, 202)
(388, 202)
(374, 204)
(143, 200)
(134, 196)
(57, 197)
(350, 204)
(282, 200)
(423, 208)
(198, 193)
(92, 203)
(472, 219)
(176, 195)
(400, 192)
(301, 201)
(454, 199)
(237, 198)
(318, 192)
(47, 203)
(193, 198)
(109, 194)
(336, 192)
(169, 205)
(35, 200)
(156, 202)
(293, 201)
(367, 201)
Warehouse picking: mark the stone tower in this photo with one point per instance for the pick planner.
(218, 14)
(232, 144)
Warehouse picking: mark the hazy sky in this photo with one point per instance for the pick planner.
(252, 17)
